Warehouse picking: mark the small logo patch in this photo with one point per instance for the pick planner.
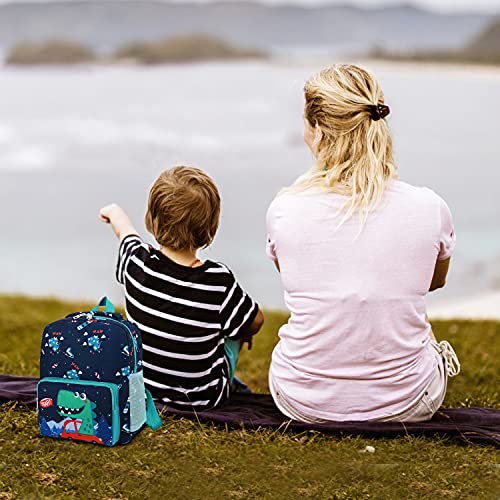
(46, 402)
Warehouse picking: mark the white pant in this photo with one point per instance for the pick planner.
(419, 411)
(426, 405)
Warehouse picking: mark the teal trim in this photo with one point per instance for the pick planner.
(134, 343)
(104, 302)
(152, 417)
(137, 410)
(232, 348)
(115, 407)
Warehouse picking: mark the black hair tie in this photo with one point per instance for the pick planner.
(378, 111)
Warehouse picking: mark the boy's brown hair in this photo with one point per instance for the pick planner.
(183, 209)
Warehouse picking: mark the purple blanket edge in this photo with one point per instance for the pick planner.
(469, 425)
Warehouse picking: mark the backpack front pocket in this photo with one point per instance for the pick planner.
(79, 410)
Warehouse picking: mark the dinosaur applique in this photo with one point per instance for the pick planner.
(78, 408)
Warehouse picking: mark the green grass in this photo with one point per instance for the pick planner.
(185, 459)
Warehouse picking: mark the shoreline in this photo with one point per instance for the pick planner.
(445, 66)
(272, 59)
(480, 307)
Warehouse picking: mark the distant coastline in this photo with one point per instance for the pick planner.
(457, 58)
(483, 50)
(283, 30)
(180, 49)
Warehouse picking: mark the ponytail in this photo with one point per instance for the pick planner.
(353, 145)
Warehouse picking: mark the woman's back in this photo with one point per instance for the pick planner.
(357, 345)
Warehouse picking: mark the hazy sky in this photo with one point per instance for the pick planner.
(443, 5)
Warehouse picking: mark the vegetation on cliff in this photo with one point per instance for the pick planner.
(50, 52)
(188, 48)
(484, 49)
(184, 49)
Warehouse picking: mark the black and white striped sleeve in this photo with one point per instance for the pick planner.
(237, 311)
(129, 245)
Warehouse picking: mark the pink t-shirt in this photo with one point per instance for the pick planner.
(356, 346)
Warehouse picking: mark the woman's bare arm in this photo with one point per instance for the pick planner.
(440, 272)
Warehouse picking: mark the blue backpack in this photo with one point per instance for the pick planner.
(91, 382)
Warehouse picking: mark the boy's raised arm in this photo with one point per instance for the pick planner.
(115, 215)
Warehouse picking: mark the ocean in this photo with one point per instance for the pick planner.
(73, 140)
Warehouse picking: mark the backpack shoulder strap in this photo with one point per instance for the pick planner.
(152, 417)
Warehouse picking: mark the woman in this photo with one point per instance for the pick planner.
(357, 250)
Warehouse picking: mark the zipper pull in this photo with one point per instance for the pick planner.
(90, 319)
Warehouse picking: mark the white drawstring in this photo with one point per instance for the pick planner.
(451, 360)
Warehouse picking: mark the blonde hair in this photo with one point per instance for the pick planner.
(183, 209)
(353, 147)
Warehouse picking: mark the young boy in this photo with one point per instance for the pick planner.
(193, 315)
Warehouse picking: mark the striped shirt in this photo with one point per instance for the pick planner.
(183, 314)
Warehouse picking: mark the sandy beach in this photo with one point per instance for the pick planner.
(482, 306)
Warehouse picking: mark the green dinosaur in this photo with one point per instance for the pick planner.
(76, 405)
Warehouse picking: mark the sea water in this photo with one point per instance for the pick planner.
(73, 140)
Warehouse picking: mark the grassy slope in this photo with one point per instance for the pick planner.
(187, 460)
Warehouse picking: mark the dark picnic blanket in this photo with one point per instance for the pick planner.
(251, 411)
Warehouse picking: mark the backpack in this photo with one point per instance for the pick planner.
(91, 384)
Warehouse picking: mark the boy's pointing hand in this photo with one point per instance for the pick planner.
(107, 212)
(115, 215)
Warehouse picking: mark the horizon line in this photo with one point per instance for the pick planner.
(317, 4)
